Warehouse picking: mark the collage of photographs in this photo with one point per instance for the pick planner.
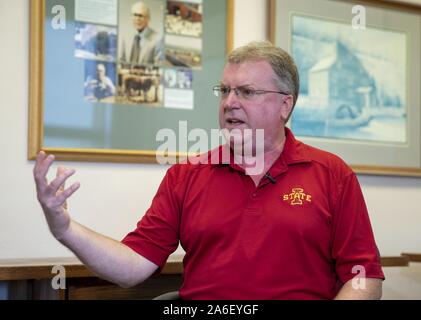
(141, 53)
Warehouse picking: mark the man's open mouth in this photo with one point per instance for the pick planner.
(234, 121)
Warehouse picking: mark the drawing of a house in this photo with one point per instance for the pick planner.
(341, 83)
(350, 87)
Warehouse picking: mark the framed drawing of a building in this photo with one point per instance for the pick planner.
(107, 75)
(359, 66)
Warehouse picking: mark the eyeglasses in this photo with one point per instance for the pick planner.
(242, 92)
(138, 15)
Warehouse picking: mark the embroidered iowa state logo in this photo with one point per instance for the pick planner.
(297, 197)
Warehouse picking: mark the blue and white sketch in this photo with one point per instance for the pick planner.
(352, 81)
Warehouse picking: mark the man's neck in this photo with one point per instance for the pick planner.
(141, 31)
(257, 165)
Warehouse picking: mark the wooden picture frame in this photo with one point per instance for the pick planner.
(290, 25)
(217, 40)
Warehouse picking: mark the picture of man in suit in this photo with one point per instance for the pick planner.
(144, 45)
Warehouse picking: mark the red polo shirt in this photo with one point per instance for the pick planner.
(298, 237)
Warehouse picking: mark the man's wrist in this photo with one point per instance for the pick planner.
(61, 234)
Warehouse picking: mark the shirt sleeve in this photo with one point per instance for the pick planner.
(157, 233)
(353, 248)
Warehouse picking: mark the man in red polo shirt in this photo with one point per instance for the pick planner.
(297, 229)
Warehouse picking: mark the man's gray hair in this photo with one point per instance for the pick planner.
(144, 6)
(287, 78)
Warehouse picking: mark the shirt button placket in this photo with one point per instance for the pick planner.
(253, 206)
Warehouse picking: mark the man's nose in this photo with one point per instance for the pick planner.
(232, 99)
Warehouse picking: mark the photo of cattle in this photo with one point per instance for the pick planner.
(140, 85)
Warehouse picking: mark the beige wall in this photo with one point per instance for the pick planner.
(114, 196)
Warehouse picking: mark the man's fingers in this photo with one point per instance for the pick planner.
(40, 157)
(41, 169)
(55, 189)
(63, 196)
(60, 171)
(58, 183)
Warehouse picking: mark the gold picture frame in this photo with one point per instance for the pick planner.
(37, 93)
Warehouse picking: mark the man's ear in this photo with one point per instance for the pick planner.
(286, 108)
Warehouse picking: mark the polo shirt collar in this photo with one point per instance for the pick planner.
(294, 151)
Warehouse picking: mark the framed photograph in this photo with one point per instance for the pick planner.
(107, 75)
(360, 66)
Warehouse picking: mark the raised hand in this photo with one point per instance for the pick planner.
(52, 196)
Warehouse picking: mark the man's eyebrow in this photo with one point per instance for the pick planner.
(243, 85)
